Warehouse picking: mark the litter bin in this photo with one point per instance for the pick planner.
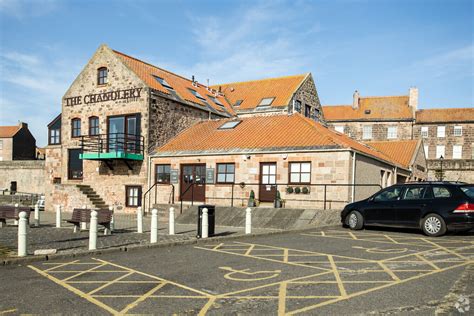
(211, 212)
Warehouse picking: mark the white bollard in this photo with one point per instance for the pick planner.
(84, 224)
(37, 215)
(58, 216)
(205, 223)
(154, 226)
(139, 220)
(248, 220)
(171, 221)
(15, 222)
(112, 220)
(93, 231)
(22, 234)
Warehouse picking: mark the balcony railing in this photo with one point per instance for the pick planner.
(112, 146)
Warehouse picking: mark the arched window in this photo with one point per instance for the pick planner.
(76, 127)
(93, 125)
(102, 75)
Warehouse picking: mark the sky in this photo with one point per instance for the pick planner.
(378, 47)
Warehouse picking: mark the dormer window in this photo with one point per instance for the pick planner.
(102, 75)
(197, 95)
(163, 82)
(266, 102)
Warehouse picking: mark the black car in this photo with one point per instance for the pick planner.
(435, 207)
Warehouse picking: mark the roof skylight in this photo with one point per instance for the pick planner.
(197, 95)
(163, 82)
(216, 100)
(238, 103)
(266, 101)
(229, 125)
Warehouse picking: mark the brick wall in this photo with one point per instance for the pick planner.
(308, 94)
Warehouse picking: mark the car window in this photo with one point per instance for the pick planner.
(441, 192)
(415, 193)
(391, 194)
(469, 191)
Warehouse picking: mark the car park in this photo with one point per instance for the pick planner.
(434, 207)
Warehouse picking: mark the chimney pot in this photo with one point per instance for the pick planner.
(355, 100)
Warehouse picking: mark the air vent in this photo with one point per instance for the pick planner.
(367, 112)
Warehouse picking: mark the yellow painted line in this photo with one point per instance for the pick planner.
(337, 276)
(323, 234)
(217, 246)
(100, 282)
(308, 308)
(141, 299)
(8, 311)
(353, 236)
(207, 306)
(285, 255)
(84, 272)
(445, 249)
(391, 239)
(249, 250)
(71, 262)
(110, 283)
(427, 261)
(282, 299)
(360, 238)
(390, 272)
(75, 291)
(61, 265)
(92, 271)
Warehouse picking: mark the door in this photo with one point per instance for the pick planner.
(267, 189)
(193, 182)
(381, 209)
(124, 133)
(410, 208)
(74, 164)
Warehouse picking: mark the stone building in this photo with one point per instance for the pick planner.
(17, 143)
(220, 161)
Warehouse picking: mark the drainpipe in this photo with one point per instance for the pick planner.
(353, 175)
(149, 177)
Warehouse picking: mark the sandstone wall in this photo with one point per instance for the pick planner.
(28, 174)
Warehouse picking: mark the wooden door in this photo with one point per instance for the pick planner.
(267, 190)
(193, 182)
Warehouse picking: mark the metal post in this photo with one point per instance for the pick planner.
(93, 231)
(248, 220)
(171, 221)
(58, 216)
(112, 219)
(37, 215)
(205, 223)
(192, 194)
(154, 226)
(15, 222)
(22, 234)
(232, 197)
(139, 220)
(325, 196)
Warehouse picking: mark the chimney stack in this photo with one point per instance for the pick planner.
(22, 125)
(413, 99)
(355, 100)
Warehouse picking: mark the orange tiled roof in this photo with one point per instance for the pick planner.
(276, 132)
(395, 108)
(180, 84)
(402, 151)
(252, 92)
(445, 115)
(8, 131)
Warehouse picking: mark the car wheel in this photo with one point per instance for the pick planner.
(355, 220)
(434, 225)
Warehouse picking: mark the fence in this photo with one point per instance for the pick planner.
(21, 198)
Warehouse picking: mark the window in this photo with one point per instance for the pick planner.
(225, 172)
(427, 150)
(339, 128)
(457, 152)
(102, 75)
(439, 151)
(392, 132)
(266, 102)
(457, 130)
(238, 102)
(162, 173)
(216, 100)
(441, 192)
(424, 131)
(441, 131)
(307, 110)
(197, 95)
(93, 125)
(54, 138)
(367, 132)
(229, 125)
(469, 191)
(300, 172)
(391, 194)
(1, 144)
(315, 114)
(298, 106)
(76, 127)
(163, 82)
(133, 196)
(415, 193)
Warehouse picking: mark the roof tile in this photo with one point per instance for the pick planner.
(402, 151)
(445, 115)
(8, 131)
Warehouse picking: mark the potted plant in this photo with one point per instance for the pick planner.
(251, 202)
(305, 190)
(277, 203)
(289, 190)
(297, 190)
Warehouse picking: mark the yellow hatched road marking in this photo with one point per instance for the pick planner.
(427, 261)
(207, 306)
(445, 249)
(8, 311)
(282, 299)
(353, 236)
(249, 250)
(110, 283)
(390, 272)
(83, 272)
(391, 239)
(338, 277)
(141, 299)
(61, 265)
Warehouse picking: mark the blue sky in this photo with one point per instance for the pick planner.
(378, 47)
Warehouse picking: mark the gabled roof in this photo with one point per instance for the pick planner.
(180, 85)
(9, 131)
(262, 133)
(445, 115)
(403, 151)
(371, 108)
(251, 93)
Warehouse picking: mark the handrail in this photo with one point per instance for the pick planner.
(155, 185)
(103, 143)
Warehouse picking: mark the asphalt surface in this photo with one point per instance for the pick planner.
(324, 272)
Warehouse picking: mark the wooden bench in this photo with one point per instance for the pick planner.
(82, 215)
(12, 212)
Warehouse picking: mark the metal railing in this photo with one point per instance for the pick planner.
(113, 142)
(148, 193)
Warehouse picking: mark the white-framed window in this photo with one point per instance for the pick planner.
(441, 131)
(457, 130)
(392, 132)
(424, 131)
(339, 128)
(440, 151)
(367, 132)
(427, 150)
(133, 195)
(300, 172)
(457, 151)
